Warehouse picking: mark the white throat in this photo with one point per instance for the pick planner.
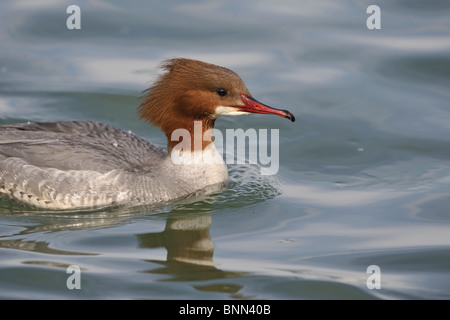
(228, 111)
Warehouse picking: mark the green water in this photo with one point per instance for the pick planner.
(364, 176)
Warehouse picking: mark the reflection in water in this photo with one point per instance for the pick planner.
(190, 252)
(35, 246)
(186, 238)
(432, 207)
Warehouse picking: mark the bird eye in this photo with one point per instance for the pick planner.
(222, 92)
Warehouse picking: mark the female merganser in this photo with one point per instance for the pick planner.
(73, 164)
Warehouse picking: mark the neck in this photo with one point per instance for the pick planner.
(190, 135)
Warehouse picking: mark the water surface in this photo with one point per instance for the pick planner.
(364, 175)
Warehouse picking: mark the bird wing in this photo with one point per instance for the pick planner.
(78, 145)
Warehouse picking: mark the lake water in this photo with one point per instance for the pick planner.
(364, 175)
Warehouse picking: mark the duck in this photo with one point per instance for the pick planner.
(85, 164)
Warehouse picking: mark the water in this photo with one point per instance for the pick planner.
(364, 175)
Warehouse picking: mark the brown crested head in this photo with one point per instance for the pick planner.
(190, 90)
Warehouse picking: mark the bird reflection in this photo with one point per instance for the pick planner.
(190, 252)
(186, 239)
